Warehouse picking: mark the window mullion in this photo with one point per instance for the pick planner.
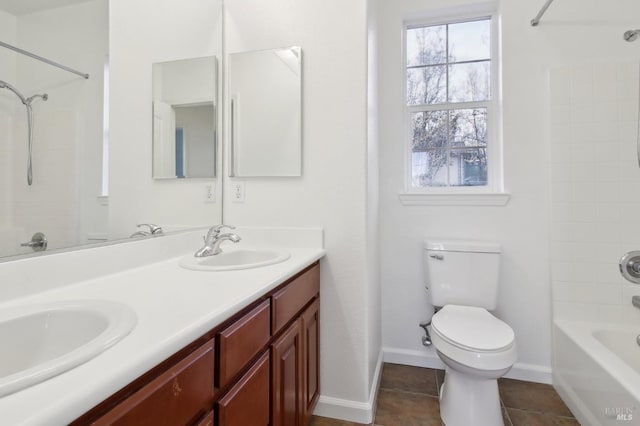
(446, 61)
(448, 106)
(448, 148)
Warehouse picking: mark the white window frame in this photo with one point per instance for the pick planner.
(492, 193)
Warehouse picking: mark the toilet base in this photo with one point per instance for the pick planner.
(469, 400)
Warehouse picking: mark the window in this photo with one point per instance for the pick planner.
(450, 104)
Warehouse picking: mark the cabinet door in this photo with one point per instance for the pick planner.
(286, 383)
(207, 420)
(311, 360)
(247, 403)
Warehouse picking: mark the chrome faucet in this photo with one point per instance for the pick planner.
(153, 230)
(213, 240)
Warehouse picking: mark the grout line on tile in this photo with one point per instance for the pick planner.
(506, 413)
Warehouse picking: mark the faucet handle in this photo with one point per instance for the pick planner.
(153, 229)
(219, 228)
(214, 231)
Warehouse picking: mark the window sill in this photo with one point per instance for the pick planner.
(449, 199)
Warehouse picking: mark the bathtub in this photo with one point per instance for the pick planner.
(597, 371)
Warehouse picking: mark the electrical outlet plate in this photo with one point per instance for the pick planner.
(237, 193)
(209, 193)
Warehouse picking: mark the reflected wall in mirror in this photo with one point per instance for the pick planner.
(265, 100)
(65, 200)
(144, 33)
(92, 178)
(184, 117)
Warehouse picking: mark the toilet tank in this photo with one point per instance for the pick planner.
(462, 272)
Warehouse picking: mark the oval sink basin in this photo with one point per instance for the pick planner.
(42, 341)
(235, 259)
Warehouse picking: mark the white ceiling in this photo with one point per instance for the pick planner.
(24, 7)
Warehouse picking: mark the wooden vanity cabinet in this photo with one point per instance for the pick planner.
(295, 369)
(241, 341)
(264, 370)
(310, 327)
(247, 402)
(295, 354)
(207, 420)
(184, 392)
(286, 380)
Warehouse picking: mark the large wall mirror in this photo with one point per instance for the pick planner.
(265, 99)
(92, 144)
(184, 118)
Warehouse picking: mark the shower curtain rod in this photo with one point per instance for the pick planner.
(535, 21)
(45, 60)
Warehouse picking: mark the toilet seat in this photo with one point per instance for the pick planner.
(473, 337)
(472, 328)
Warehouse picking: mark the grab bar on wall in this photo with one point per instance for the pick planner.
(45, 60)
(535, 21)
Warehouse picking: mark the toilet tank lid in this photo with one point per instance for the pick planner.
(462, 246)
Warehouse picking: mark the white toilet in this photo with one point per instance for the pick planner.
(476, 347)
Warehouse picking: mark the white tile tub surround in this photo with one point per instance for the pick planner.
(595, 182)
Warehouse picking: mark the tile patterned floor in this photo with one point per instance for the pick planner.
(408, 396)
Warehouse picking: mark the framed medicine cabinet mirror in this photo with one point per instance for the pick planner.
(265, 102)
(184, 118)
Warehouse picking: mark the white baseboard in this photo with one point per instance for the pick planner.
(519, 371)
(377, 377)
(414, 358)
(530, 373)
(352, 411)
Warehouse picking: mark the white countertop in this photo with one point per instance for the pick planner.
(174, 306)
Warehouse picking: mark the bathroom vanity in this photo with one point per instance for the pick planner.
(224, 376)
(234, 347)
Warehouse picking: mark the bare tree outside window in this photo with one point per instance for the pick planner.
(448, 94)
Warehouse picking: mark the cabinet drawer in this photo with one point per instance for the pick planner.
(288, 301)
(247, 403)
(180, 395)
(207, 421)
(242, 340)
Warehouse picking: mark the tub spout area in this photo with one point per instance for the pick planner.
(635, 301)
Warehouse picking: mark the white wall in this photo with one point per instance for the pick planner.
(332, 192)
(373, 200)
(143, 32)
(571, 32)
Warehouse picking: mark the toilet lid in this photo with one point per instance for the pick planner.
(472, 328)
